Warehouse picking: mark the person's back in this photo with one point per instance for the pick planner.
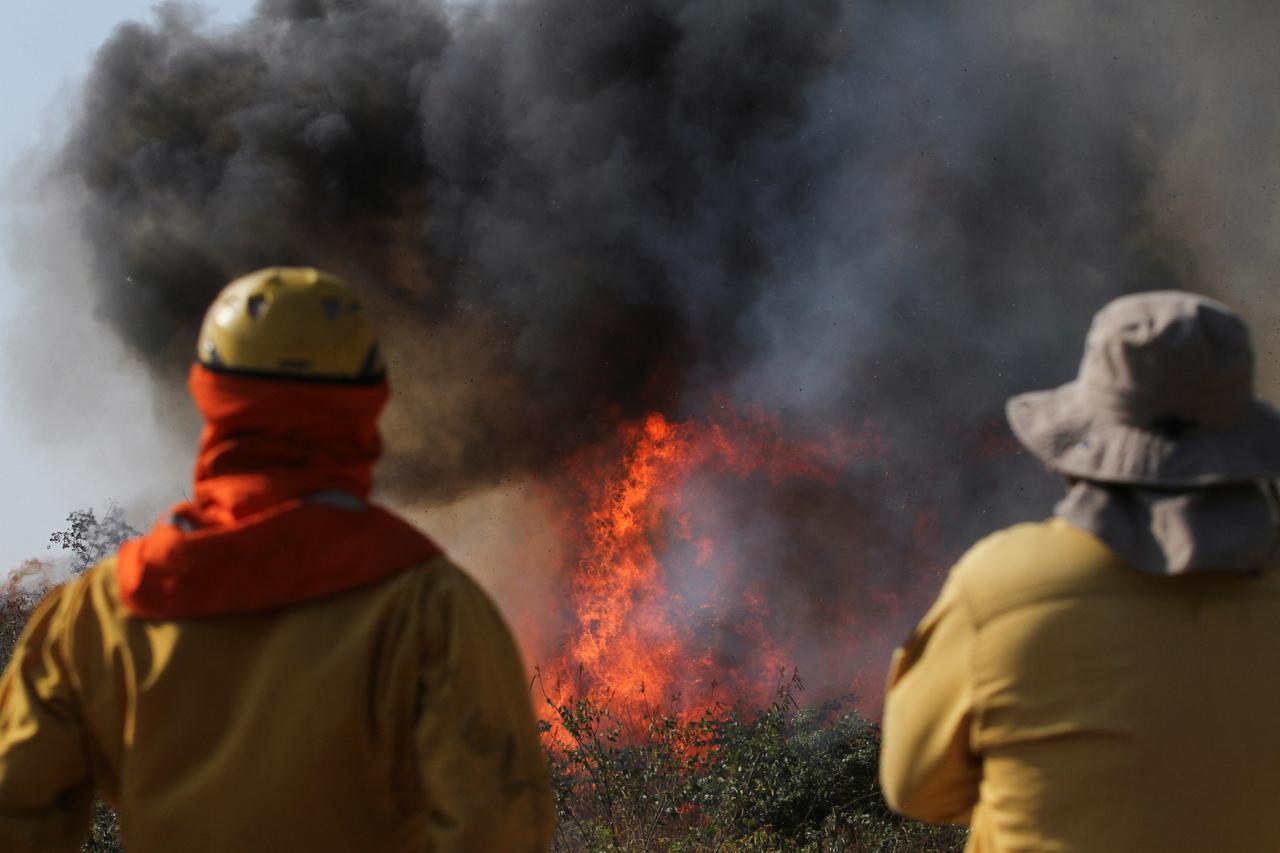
(317, 728)
(1103, 681)
(1113, 710)
(279, 664)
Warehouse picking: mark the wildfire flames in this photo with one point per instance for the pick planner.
(663, 610)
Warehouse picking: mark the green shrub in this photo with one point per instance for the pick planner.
(789, 778)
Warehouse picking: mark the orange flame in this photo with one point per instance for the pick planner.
(642, 630)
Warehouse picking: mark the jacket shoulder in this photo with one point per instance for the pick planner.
(441, 576)
(69, 623)
(93, 590)
(1031, 562)
(98, 590)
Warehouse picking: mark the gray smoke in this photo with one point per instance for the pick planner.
(845, 213)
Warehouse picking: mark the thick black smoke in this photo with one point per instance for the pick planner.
(847, 213)
(591, 209)
(564, 204)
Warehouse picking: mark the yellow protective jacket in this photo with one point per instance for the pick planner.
(392, 717)
(1061, 701)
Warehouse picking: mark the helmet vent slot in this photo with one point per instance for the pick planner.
(372, 366)
(332, 307)
(257, 306)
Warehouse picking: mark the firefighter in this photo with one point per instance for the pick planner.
(279, 664)
(1106, 680)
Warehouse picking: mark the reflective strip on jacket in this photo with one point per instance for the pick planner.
(393, 717)
(1061, 701)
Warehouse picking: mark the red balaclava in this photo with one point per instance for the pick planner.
(251, 541)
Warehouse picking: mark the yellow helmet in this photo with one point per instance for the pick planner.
(292, 322)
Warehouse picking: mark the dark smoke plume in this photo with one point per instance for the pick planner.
(570, 213)
(588, 210)
(563, 206)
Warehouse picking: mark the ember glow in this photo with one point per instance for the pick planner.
(663, 611)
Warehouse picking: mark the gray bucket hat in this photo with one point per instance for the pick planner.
(1164, 398)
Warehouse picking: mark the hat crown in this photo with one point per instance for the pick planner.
(1168, 357)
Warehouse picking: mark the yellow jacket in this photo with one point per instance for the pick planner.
(1059, 700)
(393, 717)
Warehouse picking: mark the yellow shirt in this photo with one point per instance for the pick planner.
(394, 717)
(1061, 701)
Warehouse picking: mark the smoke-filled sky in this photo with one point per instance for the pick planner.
(852, 215)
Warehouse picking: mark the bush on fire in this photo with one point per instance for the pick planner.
(790, 778)
(634, 778)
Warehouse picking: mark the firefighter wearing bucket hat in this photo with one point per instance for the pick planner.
(279, 664)
(1105, 680)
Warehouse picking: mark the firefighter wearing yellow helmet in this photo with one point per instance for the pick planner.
(279, 664)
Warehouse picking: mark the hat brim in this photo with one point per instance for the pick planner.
(1073, 438)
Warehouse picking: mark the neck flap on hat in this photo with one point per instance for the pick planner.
(264, 529)
(1229, 528)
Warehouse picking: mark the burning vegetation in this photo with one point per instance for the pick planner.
(667, 606)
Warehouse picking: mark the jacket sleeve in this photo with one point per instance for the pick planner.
(927, 768)
(482, 765)
(46, 788)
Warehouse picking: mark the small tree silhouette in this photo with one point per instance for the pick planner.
(89, 538)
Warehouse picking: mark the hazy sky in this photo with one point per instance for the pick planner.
(45, 52)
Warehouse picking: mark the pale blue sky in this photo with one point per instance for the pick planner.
(46, 50)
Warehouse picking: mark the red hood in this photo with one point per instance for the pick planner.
(251, 540)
